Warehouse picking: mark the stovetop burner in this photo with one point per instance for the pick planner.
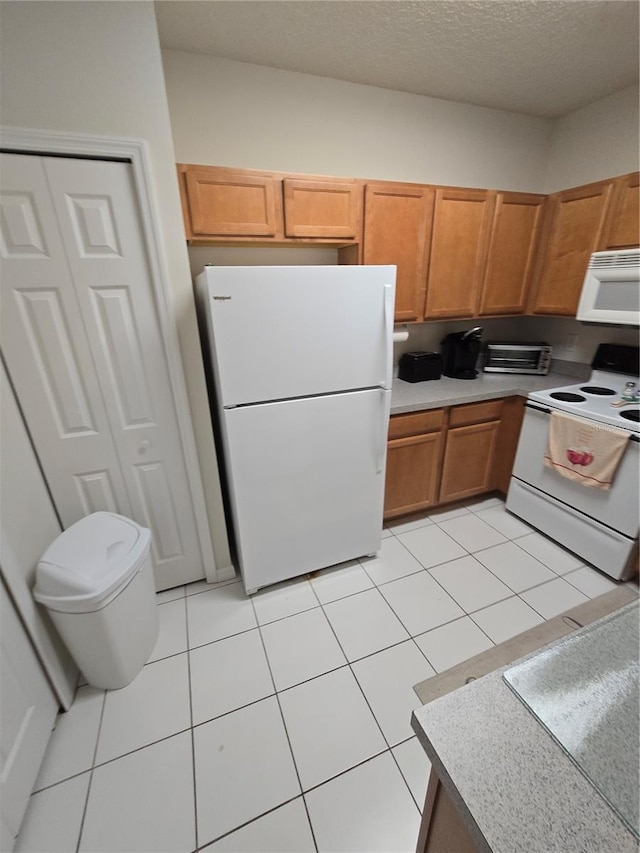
(567, 397)
(596, 398)
(598, 390)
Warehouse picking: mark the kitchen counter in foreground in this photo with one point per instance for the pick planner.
(416, 396)
(513, 787)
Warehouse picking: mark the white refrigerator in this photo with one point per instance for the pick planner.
(301, 363)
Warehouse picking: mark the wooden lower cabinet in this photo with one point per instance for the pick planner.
(414, 455)
(468, 461)
(507, 444)
(438, 456)
(442, 829)
(413, 466)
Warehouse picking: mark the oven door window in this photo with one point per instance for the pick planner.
(508, 358)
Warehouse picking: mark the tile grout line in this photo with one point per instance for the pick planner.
(349, 663)
(191, 729)
(93, 767)
(248, 823)
(397, 763)
(284, 724)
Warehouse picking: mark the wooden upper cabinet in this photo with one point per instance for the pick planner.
(622, 228)
(514, 237)
(397, 224)
(573, 231)
(322, 208)
(222, 202)
(461, 223)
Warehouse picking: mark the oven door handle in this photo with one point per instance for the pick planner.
(546, 411)
(538, 408)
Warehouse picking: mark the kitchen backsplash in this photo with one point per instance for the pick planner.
(572, 342)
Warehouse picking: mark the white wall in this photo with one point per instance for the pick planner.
(235, 114)
(28, 525)
(229, 113)
(571, 341)
(95, 68)
(595, 142)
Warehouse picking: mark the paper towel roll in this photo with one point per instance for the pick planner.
(400, 334)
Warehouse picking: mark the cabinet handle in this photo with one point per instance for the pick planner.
(538, 408)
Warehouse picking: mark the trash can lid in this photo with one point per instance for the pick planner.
(89, 561)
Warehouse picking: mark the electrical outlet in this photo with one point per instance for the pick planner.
(571, 342)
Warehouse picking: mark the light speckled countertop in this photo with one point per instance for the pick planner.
(415, 396)
(514, 787)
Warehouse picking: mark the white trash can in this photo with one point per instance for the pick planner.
(96, 581)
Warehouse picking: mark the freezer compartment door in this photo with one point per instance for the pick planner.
(285, 332)
(306, 482)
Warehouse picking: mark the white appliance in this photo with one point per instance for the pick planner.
(611, 289)
(599, 526)
(302, 367)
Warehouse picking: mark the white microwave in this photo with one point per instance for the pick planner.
(611, 289)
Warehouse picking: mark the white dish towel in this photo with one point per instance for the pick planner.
(584, 451)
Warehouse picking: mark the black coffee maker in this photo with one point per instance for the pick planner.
(460, 352)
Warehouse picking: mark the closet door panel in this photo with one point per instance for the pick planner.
(47, 351)
(96, 207)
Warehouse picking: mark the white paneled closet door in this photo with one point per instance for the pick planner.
(81, 338)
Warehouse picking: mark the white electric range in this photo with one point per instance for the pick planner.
(599, 526)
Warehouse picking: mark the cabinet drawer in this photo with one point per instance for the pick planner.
(415, 423)
(475, 413)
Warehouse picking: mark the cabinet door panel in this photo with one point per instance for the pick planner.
(468, 461)
(461, 224)
(397, 220)
(623, 222)
(228, 203)
(413, 469)
(514, 234)
(510, 424)
(322, 208)
(574, 231)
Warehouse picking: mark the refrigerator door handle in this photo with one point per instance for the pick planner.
(383, 425)
(388, 331)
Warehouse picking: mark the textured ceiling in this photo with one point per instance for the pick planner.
(540, 57)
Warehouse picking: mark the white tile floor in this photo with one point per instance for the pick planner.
(282, 722)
